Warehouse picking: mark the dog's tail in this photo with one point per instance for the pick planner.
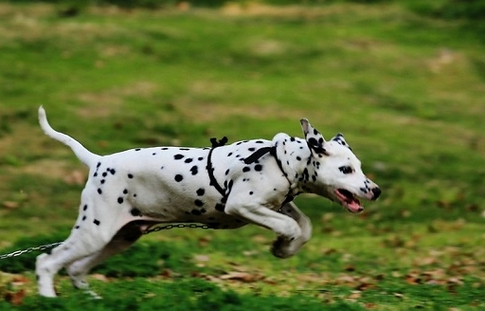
(84, 155)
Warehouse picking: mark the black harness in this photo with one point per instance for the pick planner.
(210, 168)
(255, 156)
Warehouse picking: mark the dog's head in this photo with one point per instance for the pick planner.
(337, 172)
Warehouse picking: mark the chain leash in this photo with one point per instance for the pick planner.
(45, 247)
(178, 226)
(29, 250)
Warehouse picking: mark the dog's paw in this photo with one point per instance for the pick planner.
(281, 248)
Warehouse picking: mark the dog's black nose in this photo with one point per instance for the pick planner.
(377, 192)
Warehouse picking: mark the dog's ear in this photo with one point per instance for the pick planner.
(314, 139)
(339, 138)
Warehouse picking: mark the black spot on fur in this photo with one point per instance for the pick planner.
(85, 207)
(137, 149)
(305, 176)
(251, 149)
(112, 171)
(227, 172)
(194, 170)
(135, 212)
(130, 176)
(84, 218)
(125, 191)
(229, 154)
(77, 227)
(200, 158)
(220, 207)
(98, 165)
(102, 181)
(96, 222)
(120, 200)
(178, 178)
(298, 158)
(188, 160)
(105, 174)
(258, 167)
(178, 156)
(100, 191)
(251, 193)
(196, 212)
(199, 203)
(246, 169)
(164, 148)
(200, 192)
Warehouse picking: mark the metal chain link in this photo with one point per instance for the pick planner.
(179, 226)
(29, 250)
(52, 245)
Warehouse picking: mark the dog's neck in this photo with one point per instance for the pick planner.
(296, 162)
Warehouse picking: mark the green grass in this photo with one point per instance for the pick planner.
(406, 90)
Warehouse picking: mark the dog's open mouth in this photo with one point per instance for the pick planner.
(349, 200)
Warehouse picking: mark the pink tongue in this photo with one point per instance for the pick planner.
(354, 207)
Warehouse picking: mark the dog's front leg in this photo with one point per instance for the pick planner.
(290, 209)
(287, 229)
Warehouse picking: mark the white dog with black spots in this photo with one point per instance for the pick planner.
(224, 187)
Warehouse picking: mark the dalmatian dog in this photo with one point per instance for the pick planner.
(224, 187)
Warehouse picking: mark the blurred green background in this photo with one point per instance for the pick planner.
(403, 80)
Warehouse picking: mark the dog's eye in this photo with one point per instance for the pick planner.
(346, 169)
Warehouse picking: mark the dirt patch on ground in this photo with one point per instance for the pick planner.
(103, 104)
(56, 169)
(261, 9)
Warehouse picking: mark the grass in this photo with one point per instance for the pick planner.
(406, 90)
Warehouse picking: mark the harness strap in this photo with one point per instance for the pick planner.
(261, 152)
(255, 156)
(219, 143)
(210, 168)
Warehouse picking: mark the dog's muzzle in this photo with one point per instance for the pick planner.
(376, 193)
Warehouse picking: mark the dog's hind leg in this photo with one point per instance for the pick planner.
(80, 244)
(48, 264)
(125, 237)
